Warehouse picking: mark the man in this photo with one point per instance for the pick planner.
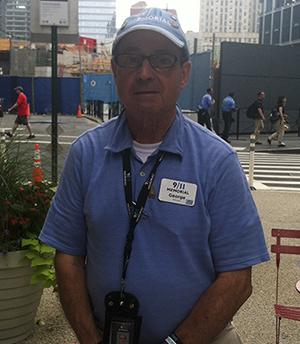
(153, 205)
(23, 113)
(205, 107)
(228, 106)
(259, 118)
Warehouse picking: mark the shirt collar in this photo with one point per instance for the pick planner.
(172, 143)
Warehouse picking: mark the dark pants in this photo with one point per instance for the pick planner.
(22, 120)
(227, 117)
(204, 118)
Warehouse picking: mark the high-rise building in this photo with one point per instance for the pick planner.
(15, 16)
(280, 22)
(138, 8)
(142, 5)
(227, 20)
(2, 19)
(97, 19)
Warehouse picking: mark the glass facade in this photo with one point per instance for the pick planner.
(267, 33)
(280, 25)
(15, 19)
(276, 28)
(296, 23)
(269, 5)
(279, 3)
(286, 23)
(97, 19)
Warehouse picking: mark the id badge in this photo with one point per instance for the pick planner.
(122, 323)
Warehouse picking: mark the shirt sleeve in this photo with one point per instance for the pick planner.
(65, 227)
(237, 239)
(232, 105)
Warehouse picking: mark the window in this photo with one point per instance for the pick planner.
(269, 5)
(267, 33)
(285, 37)
(276, 28)
(279, 3)
(296, 23)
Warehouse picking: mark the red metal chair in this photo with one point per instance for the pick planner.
(282, 311)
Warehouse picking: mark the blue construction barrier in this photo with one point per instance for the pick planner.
(38, 92)
(99, 87)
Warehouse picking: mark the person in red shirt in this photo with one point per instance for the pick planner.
(23, 113)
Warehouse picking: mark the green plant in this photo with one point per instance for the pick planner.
(23, 208)
(41, 257)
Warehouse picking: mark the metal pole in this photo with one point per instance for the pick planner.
(251, 161)
(54, 88)
(33, 96)
(237, 124)
(195, 46)
(212, 62)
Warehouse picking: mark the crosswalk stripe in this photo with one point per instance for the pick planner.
(275, 171)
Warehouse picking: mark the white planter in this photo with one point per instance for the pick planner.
(19, 299)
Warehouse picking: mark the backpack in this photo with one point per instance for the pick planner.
(251, 111)
(274, 116)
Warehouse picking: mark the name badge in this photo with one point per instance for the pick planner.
(176, 191)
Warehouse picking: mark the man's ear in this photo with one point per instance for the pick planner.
(185, 70)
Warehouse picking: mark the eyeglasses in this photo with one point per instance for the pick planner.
(158, 61)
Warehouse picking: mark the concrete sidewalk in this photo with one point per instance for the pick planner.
(292, 141)
(242, 143)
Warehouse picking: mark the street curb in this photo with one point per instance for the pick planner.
(93, 119)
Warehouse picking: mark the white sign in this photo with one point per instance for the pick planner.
(54, 13)
(176, 191)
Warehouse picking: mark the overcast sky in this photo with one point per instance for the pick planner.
(187, 11)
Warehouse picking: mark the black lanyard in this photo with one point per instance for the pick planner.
(135, 209)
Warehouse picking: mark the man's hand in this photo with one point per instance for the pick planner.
(12, 107)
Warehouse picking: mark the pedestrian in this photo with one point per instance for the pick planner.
(280, 122)
(160, 229)
(205, 108)
(23, 113)
(228, 106)
(258, 115)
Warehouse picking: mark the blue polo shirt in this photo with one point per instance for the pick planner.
(228, 104)
(178, 249)
(207, 101)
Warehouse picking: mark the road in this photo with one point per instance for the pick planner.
(69, 128)
(274, 171)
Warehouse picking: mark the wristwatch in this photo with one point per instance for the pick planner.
(173, 339)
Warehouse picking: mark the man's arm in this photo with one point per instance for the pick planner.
(216, 307)
(281, 114)
(70, 274)
(13, 107)
(261, 114)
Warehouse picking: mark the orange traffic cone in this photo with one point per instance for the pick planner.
(79, 114)
(37, 173)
